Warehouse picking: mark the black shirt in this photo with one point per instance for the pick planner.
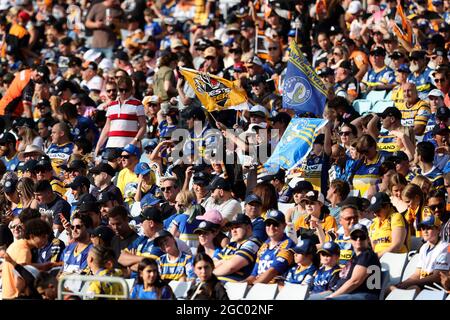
(54, 208)
(118, 244)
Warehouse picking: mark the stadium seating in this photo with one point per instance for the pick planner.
(262, 291)
(431, 295)
(410, 267)
(381, 105)
(394, 263)
(292, 291)
(362, 105)
(236, 290)
(375, 95)
(130, 283)
(388, 95)
(416, 243)
(400, 294)
(180, 288)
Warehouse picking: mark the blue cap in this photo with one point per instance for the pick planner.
(10, 185)
(291, 33)
(331, 248)
(430, 221)
(253, 198)
(359, 227)
(404, 68)
(305, 246)
(149, 200)
(275, 215)
(149, 144)
(141, 168)
(132, 149)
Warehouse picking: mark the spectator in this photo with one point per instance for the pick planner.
(421, 74)
(415, 111)
(425, 157)
(130, 158)
(8, 151)
(208, 240)
(348, 217)
(222, 200)
(337, 193)
(61, 147)
(303, 270)
(253, 206)
(103, 174)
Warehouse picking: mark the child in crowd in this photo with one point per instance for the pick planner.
(149, 285)
(46, 285)
(209, 287)
(302, 272)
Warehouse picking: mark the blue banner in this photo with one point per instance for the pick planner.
(295, 144)
(303, 90)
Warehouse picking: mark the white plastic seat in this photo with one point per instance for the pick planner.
(236, 290)
(180, 288)
(416, 243)
(385, 279)
(431, 295)
(394, 263)
(262, 291)
(130, 283)
(381, 105)
(411, 267)
(388, 95)
(400, 294)
(292, 291)
(362, 105)
(283, 207)
(375, 95)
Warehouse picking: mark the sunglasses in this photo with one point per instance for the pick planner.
(345, 133)
(337, 53)
(436, 206)
(15, 226)
(273, 48)
(423, 228)
(361, 237)
(125, 156)
(76, 226)
(111, 90)
(272, 223)
(350, 218)
(123, 90)
(437, 80)
(164, 189)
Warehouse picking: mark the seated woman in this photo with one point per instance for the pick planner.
(149, 285)
(425, 273)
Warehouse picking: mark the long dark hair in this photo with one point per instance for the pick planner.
(216, 242)
(159, 283)
(210, 284)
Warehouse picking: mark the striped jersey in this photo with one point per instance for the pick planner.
(145, 247)
(246, 249)
(388, 142)
(418, 114)
(383, 76)
(325, 279)
(367, 173)
(124, 121)
(75, 263)
(59, 155)
(186, 229)
(346, 247)
(175, 269)
(279, 257)
(436, 177)
(423, 82)
(299, 274)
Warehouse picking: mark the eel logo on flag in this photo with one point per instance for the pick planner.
(297, 91)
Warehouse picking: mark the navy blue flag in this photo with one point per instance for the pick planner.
(303, 90)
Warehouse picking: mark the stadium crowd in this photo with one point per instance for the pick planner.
(95, 179)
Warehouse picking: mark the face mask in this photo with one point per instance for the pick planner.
(414, 67)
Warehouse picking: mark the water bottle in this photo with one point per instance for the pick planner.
(108, 17)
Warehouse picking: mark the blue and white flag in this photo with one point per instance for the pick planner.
(303, 90)
(295, 144)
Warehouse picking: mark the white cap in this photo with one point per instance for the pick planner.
(5, 5)
(354, 7)
(106, 64)
(260, 109)
(435, 93)
(96, 83)
(261, 125)
(91, 55)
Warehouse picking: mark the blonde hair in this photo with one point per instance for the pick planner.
(186, 198)
(421, 181)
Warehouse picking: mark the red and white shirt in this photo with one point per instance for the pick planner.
(124, 121)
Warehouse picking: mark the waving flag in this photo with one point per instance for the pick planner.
(402, 27)
(303, 90)
(215, 93)
(294, 145)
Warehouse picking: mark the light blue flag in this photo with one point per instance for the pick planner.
(295, 144)
(303, 90)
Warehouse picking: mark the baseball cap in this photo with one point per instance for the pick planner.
(103, 167)
(247, 23)
(404, 68)
(345, 64)
(239, 67)
(435, 93)
(252, 198)
(103, 232)
(149, 200)
(282, 117)
(275, 215)
(78, 182)
(440, 130)
(417, 54)
(430, 221)
(160, 236)
(210, 52)
(43, 163)
(259, 110)
(391, 112)
(398, 157)
(88, 206)
(7, 137)
(439, 52)
(151, 213)
(150, 99)
(330, 248)
(201, 178)
(443, 113)
(10, 185)
(111, 154)
(378, 51)
(255, 60)
(305, 246)
(74, 165)
(240, 218)
(206, 226)
(314, 196)
(358, 203)
(121, 55)
(220, 183)
(324, 72)
(30, 165)
(132, 149)
(233, 27)
(359, 228)
(377, 201)
(354, 7)
(253, 126)
(105, 196)
(396, 54)
(302, 185)
(257, 79)
(211, 215)
(141, 168)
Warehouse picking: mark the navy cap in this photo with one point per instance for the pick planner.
(404, 68)
(10, 185)
(132, 149)
(275, 215)
(253, 198)
(378, 200)
(78, 182)
(111, 154)
(151, 213)
(103, 232)
(220, 183)
(305, 246)
(443, 113)
(160, 236)
(396, 55)
(398, 157)
(105, 196)
(88, 206)
(74, 165)
(391, 112)
(302, 186)
(378, 51)
(417, 55)
(142, 168)
(7, 137)
(313, 196)
(429, 222)
(201, 178)
(330, 248)
(240, 218)
(324, 72)
(206, 226)
(359, 227)
(43, 163)
(104, 167)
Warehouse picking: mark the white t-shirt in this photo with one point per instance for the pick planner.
(427, 257)
(229, 209)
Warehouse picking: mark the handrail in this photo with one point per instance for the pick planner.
(84, 278)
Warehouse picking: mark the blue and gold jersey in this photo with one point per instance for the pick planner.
(367, 173)
(325, 279)
(418, 114)
(11, 164)
(428, 135)
(75, 263)
(380, 77)
(388, 142)
(436, 177)
(315, 170)
(186, 229)
(246, 249)
(279, 257)
(112, 289)
(347, 252)
(299, 274)
(176, 269)
(141, 294)
(145, 247)
(259, 229)
(59, 155)
(423, 82)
